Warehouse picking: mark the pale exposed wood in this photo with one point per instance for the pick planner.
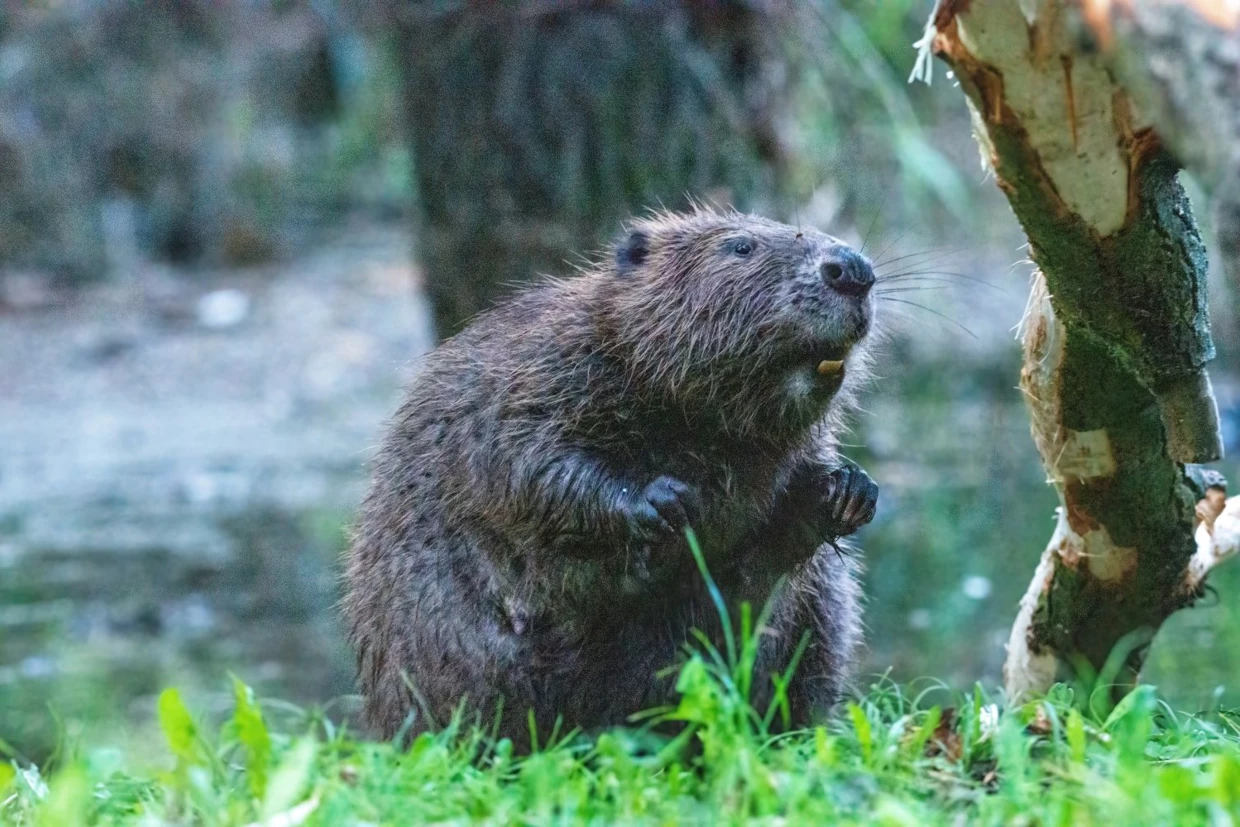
(1218, 539)
(1180, 61)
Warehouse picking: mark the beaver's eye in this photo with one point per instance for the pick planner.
(742, 248)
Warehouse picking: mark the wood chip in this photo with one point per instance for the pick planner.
(829, 368)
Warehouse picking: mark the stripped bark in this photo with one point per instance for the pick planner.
(1116, 337)
(1218, 536)
(1180, 60)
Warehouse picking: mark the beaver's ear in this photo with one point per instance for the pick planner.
(631, 251)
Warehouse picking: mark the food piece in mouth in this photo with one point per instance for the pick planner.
(830, 367)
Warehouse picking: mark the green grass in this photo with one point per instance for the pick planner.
(895, 755)
(891, 757)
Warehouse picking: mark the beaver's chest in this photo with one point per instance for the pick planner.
(738, 485)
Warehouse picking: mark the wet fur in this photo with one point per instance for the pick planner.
(492, 558)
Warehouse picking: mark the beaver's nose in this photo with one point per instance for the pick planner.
(846, 271)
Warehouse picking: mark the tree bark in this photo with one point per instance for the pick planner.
(538, 127)
(1181, 63)
(1116, 336)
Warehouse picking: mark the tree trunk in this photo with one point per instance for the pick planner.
(1181, 63)
(537, 127)
(1116, 337)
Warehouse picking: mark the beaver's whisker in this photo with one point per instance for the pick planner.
(921, 280)
(946, 274)
(933, 252)
(888, 246)
(934, 312)
(919, 272)
(889, 291)
(874, 221)
(930, 255)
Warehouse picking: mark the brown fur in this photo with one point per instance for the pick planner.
(522, 538)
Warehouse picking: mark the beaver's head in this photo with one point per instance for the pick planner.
(734, 313)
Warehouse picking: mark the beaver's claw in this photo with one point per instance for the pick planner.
(849, 498)
(662, 509)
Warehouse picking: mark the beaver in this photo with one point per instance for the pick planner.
(522, 545)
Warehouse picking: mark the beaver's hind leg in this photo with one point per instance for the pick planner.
(821, 598)
(822, 603)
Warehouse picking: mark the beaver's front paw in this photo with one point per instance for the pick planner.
(830, 503)
(661, 510)
(847, 501)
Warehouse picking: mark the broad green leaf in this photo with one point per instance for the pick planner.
(1130, 723)
(1076, 735)
(252, 733)
(917, 744)
(865, 736)
(177, 724)
(1179, 784)
(891, 812)
(1012, 752)
(824, 747)
(1226, 780)
(68, 798)
(1140, 702)
(289, 779)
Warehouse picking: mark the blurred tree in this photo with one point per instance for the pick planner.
(1116, 338)
(182, 131)
(536, 127)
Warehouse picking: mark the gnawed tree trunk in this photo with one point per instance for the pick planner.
(1116, 337)
(1181, 62)
(538, 127)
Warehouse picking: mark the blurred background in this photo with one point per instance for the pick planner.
(227, 227)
